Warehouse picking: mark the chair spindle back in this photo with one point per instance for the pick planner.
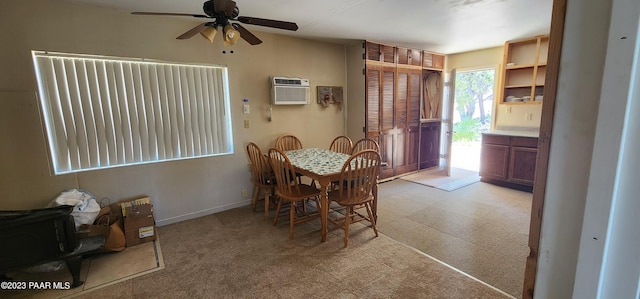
(359, 175)
(284, 172)
(342, 144)
(365, 144)
(260, 167)
(288, 142)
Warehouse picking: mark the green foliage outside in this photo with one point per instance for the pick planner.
(472, 88)
(466, 130)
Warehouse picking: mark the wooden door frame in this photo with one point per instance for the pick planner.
(544, 144)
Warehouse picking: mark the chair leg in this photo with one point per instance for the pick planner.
(275, 221)
(267, 199)
(371, 219)
(254, 200)
(304, 207)
(347, 219)
(292, 213)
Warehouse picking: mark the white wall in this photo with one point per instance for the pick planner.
(356, 92)
(609, 258)
(572, 142)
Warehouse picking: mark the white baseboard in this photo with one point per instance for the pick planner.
(201, 213)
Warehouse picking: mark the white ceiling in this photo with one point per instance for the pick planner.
(445, 26)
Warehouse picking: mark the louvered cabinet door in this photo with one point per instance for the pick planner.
(380, 52)
(380, 82)
(407, 120)
(407, 56)
(412, 143)
(387, 121)
(373, 79)
(401, 121)
(373, 51)
(432, 60)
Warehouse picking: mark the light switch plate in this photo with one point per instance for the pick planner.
(245, 109)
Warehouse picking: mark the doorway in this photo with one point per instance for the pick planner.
(473, 108)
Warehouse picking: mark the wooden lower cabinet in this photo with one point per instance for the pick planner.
(429, 144)
(522, 165)
(508, 160)
(495, 161)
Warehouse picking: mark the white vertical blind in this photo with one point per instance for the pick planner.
(103, 112)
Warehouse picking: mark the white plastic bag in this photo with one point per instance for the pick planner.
(86, 208)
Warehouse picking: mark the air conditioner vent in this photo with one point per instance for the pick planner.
(288, 81)
(290, 91)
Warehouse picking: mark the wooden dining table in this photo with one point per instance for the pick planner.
(324, 166)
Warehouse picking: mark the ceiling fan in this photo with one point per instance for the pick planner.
(222, 12)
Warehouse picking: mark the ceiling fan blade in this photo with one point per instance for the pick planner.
(246, 35)
(193, 31)
(168, 14)
(225, 6)
(269, 23)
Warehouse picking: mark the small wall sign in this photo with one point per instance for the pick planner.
(329, 95)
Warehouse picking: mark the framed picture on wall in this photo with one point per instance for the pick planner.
(329, 95)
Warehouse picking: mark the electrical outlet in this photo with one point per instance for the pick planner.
(244, 193)
(247, 123)
(528, 116)
(250, 167)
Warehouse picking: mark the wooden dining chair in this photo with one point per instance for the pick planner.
(341, 144)
(288, 142)
(359, 174)
(365, 144)
(262, 177)
(291, 190)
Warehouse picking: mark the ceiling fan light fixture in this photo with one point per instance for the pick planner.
(220, 13)
(231, 35)
(209, 33)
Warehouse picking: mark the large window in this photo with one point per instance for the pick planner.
(104, 112)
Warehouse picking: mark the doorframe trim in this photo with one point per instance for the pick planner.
(544, 144)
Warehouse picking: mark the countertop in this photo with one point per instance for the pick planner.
(517, 133)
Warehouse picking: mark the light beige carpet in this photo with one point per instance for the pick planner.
(481, 229)
(98, 271)
(437, 178)
(235, 254)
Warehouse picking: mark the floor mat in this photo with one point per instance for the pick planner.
(98, 271)
(437, 178)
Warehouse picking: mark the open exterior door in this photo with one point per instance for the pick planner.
(447, 119)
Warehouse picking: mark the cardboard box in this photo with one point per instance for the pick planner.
(139, 224)
(119, 207)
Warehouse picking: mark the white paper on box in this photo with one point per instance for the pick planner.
(146, 231)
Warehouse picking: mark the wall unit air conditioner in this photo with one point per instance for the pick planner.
(289, 91)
